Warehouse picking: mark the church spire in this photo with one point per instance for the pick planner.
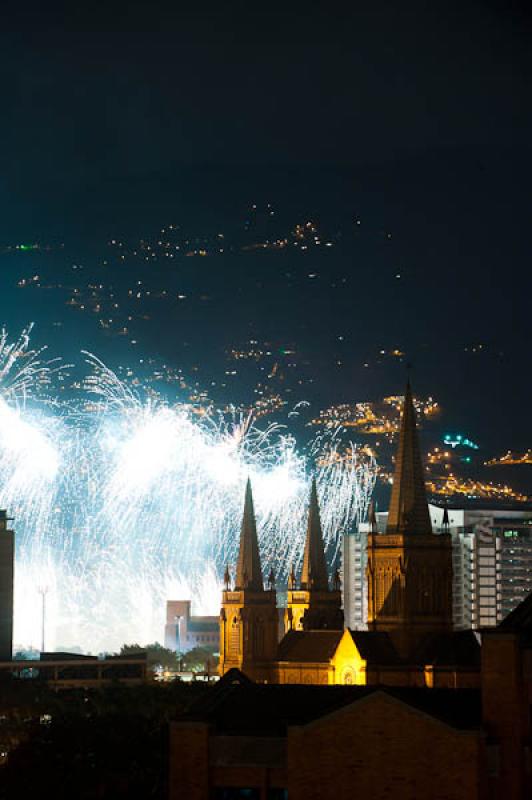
(248, 570)
(409, 512)
(314, 572)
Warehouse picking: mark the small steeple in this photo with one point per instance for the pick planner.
(248, 570)
(271, 580)
(372, 517)
(445, 524)
(292, 578)
(227, 578)
(314, 572)
(409, 511)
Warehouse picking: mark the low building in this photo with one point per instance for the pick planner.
(74, 671)
(184, 632)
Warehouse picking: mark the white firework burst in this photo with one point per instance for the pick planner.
(122, 502)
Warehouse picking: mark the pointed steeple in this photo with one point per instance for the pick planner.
(248, 570)
(409, 511)
(445, 520)
(271, 580)
(372, 517)
(292, 578)
(314, 572)
(227, 578)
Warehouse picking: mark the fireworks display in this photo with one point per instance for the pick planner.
(121, 501)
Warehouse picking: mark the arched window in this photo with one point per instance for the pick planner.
(348, 677)
(234, 641)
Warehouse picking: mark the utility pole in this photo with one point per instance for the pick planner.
(177, 620)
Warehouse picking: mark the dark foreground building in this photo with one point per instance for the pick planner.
(269, 742)
(7, 560)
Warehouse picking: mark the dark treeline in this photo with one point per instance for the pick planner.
(107, 743)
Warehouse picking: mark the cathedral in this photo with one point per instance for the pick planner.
(410, 640)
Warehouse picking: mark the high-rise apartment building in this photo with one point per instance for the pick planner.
(500, 545)
(353, 576)
(492, 563)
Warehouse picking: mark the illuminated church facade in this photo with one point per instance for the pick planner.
(410, 640)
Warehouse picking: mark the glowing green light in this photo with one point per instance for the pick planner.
(459, 439)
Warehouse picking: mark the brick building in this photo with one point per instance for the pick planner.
(268, 742)
(184, 632)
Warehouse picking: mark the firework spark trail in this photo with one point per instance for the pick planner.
(122, 502)
(22, 370)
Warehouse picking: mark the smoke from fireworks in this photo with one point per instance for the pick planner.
(122, 502)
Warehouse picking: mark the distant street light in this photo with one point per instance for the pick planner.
(177, 621)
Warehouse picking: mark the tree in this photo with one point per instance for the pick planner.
(27, 655)
(157, 655)
(200, 659)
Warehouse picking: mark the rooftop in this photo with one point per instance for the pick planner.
(309, 646)
(237, 706)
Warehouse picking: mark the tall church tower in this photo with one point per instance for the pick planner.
(314, 606)
(248, 617)
(409, 568)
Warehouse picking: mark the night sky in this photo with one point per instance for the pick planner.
(404, 130)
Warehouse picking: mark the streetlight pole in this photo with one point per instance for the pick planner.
(43, 591)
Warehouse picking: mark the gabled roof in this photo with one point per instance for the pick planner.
(309, 646)
(375, 647)
(314, 571)
(236, 706)
(409, 511)
(248, 570)
(214, 696)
